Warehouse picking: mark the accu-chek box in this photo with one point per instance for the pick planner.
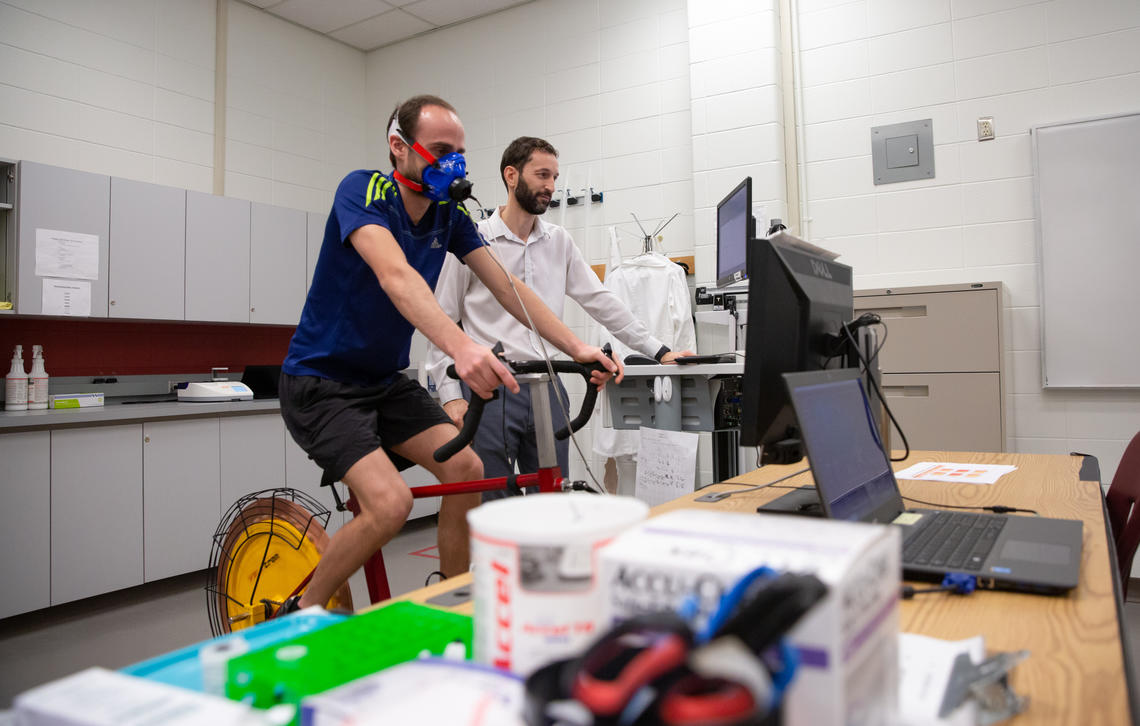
(848, 643)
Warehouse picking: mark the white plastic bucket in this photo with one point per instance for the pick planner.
(537, 598)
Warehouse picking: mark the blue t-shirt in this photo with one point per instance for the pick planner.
(350, 331)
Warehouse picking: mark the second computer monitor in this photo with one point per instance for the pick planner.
(735, 230)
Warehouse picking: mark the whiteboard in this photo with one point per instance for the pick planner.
(1087, 185)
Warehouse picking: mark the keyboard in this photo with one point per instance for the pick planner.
(954, 541)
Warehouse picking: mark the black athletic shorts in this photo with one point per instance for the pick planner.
(338, 424)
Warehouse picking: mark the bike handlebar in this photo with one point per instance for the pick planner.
(475, 407)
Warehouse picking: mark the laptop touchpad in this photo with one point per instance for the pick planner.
(1041, 552)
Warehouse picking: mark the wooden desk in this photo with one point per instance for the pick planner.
(1076, 671)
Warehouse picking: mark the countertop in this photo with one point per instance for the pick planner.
(118, 411)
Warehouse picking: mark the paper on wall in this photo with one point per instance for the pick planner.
(67, 254)
(666, 465)
(66, 297)
(955, 473)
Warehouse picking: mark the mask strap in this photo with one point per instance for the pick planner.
(414, 186)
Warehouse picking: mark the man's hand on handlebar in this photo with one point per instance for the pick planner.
(482, 370)
(591, 354)
(456, 410)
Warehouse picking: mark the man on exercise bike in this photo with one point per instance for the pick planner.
(343, 397)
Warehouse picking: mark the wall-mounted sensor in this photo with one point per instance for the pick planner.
(595, 197)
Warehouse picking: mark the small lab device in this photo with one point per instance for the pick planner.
(214, 391)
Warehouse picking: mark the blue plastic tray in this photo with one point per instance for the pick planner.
(181, 667)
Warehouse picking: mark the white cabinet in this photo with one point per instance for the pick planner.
(96, 511)
(303, 474)
(217, 258)
(68, 201)
(316, 236)
(253, 455)
(180, 495)
(148, 251)
(277, 264)
(25, 522)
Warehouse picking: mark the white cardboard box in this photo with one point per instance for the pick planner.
(849, 641)
(99, 697)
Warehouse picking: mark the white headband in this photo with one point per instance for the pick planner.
(395, 130)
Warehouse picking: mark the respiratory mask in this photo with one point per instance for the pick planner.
(445, 177)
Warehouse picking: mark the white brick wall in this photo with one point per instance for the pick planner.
(123, 88)
(126, 88)
(296, 112)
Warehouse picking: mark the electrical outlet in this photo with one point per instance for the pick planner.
(985, 128)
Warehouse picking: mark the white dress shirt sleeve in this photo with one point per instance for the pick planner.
(603, 305)
(449, 291)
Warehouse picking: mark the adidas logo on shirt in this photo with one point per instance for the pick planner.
(435, 245)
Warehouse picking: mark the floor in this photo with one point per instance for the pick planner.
(129, 626)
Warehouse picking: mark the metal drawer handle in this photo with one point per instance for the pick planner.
(902, 311)
(907, 391)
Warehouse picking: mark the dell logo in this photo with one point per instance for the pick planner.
(820, 269)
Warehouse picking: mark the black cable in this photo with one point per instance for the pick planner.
(879, 392)
(995, 508)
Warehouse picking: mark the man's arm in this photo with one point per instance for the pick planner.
(605, 306)
(549, 326)
(408, 291)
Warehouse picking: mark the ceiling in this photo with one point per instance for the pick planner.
(370, 24)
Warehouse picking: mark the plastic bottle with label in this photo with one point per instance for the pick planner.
(16, 384)
(38, 380)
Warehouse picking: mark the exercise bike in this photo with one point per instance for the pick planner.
(268, 543)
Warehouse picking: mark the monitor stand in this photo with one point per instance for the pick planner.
(803, 501)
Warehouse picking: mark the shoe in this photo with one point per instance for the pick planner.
(442, 577)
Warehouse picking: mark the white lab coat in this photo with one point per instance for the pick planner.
(654, 288)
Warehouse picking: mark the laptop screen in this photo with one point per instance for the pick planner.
(851, 472)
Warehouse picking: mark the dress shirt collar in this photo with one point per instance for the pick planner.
(500, 231)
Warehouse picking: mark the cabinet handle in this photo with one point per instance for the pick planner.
(112, 302)
(901, 311)
(253, 310)
(907, 391)
(146, 439)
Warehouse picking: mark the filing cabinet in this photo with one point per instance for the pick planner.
(942, 363)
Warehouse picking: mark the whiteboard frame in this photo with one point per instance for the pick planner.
(1040, 239)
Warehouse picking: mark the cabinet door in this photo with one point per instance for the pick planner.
(277, 264)
(148, 246)
(63, 200)
(217, 258)
(303, 474)
(180, 496)
(316, 236)
(25, 522)
(96, 511)
(253, 455)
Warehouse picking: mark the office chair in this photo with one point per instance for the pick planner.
(1123, 511)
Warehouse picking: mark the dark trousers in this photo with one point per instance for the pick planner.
(506, 433)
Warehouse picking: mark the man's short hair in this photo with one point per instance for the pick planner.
(409, 116)
(517, 154)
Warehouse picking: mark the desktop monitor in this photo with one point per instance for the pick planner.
(797, 305)
(735, 230)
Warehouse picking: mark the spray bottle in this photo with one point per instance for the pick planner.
(16, 384)
(38, 380)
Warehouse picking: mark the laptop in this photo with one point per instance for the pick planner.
(855, 481)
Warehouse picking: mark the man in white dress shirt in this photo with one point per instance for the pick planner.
(544, 256)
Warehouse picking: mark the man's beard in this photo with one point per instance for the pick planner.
(528, 200)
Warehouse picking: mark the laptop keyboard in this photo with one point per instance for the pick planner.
(953, 541)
